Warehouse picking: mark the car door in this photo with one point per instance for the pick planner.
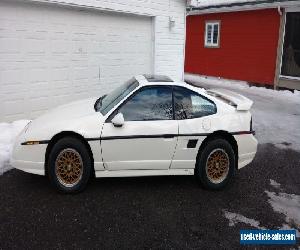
(194, 113)
(148, 137)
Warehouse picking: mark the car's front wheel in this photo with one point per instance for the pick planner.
(216, 164)
(69, 165)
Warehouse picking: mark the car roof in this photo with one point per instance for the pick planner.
(148, 80)
(157, 78)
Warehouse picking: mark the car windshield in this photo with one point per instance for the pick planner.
(105, 103)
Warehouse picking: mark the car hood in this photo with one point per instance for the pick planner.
(71, 110)
(69, 117)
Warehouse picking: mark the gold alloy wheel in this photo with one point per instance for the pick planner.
(217, 166)
(69, 167)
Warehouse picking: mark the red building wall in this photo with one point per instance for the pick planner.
(248, 46)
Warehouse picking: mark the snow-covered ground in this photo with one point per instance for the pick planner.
(8, 133)
(287, 204)
(235, 218)
(276, 120)
(283, 203)
(276, 114)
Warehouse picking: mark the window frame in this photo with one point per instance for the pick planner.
(196, 93)
(173, 88)
(212, 23)
(116, 105)
(116, 111)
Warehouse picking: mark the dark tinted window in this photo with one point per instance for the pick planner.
(151, 103)
(189, 104)
(113, 98)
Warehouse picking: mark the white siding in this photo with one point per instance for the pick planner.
(169, 42)
(30, 84)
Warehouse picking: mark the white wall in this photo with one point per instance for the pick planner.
(169, 42)
(35, 78)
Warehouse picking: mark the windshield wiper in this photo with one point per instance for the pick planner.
(98, 103)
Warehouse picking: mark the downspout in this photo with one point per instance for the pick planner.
(279, 10)
(281, 13)
(184, 45)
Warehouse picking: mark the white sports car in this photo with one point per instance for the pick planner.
(148, 126)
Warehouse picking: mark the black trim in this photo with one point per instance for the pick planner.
(105, 138)
(44, 142)
(169, 136)
(166, 136)
(195, 134)
(192, 143)
(93, 139)
(173, 103)
(243, 133)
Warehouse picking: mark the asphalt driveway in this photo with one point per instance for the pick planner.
(144, 213)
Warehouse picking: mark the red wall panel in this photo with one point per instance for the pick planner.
(248, 46)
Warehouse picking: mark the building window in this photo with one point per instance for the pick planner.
(212, 34)
(291, 48)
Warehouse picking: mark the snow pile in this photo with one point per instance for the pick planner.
(8, 133)
(238, 218)
(276, 114)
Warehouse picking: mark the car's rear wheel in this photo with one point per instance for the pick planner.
(216, 164)
(69, 165)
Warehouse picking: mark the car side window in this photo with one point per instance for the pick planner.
(189, 104)
(150, 103)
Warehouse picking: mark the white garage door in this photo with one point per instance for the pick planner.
(53, 55)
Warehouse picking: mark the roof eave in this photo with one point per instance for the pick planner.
(242, 7)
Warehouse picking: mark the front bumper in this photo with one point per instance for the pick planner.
(29, 166)
(29, 158)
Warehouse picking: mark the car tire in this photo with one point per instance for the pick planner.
(69, 165)
(216, 164)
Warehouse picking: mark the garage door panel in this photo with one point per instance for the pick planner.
(38, 75)
(49, 50)
(9, 45)
(15, 107)
(11, 77)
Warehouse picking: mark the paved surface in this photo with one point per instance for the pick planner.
(152, 212)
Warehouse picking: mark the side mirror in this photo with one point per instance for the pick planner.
(118, 120)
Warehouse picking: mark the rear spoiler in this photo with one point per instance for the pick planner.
(239, 101)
